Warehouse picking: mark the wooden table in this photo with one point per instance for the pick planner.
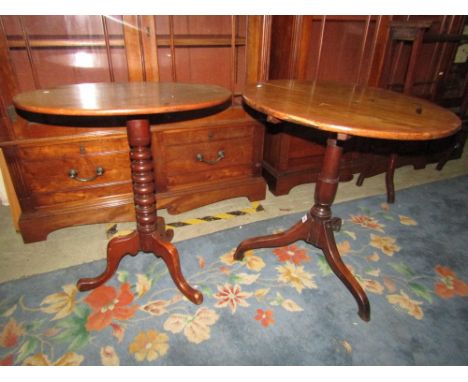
(343, 111)
(135, 101)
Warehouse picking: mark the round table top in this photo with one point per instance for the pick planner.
(352, 109)
(121, 99)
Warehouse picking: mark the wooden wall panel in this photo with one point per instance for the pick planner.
(257, 58)
(204, 65)
(337, 48)
(133, 48)
(203, 49)
(150, 48)
(341, 56)
(55, 50)
(280, 53)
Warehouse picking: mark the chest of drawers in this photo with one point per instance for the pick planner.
(85, 179)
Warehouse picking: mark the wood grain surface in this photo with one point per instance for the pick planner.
(121, 99)
(352, 109)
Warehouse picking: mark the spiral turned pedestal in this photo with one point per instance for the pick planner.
(150, 235)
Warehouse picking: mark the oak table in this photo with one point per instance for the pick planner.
(135, 101)
(342, 111)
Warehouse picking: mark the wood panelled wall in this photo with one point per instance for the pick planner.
(358, 49)
(340, 48)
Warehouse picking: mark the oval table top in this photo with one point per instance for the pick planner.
(121, 99)
(352, 109)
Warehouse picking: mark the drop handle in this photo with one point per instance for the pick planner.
(73, 174)
(200, 158)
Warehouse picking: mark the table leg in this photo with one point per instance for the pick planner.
(150, 235)
(317, 228)
(389, 176)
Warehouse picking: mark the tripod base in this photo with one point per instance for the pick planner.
(317, 228)
(131, 244)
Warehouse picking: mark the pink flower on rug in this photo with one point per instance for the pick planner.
(11, 333)
(291, 253)
(231, 296)
(265, 317)
(107, 305)
(449, 285)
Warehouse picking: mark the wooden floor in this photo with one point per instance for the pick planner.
(77, 245)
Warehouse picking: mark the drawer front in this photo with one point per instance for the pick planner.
(52, 175)
(47, 168)
(209, 155)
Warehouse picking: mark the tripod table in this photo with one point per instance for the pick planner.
(136, 102)
(342, 111)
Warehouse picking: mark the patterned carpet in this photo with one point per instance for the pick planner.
(279, 306)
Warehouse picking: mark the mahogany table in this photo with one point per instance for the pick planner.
(135, 101)
(342, 111)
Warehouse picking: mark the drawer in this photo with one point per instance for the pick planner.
(183, 165)
(46, 169)
(209, 155)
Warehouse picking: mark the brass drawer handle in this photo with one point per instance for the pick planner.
(220, 156)
(73, 174)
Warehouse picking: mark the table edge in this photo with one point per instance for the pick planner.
(352, 131)
(73, 112)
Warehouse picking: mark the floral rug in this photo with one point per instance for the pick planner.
(280, 306)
